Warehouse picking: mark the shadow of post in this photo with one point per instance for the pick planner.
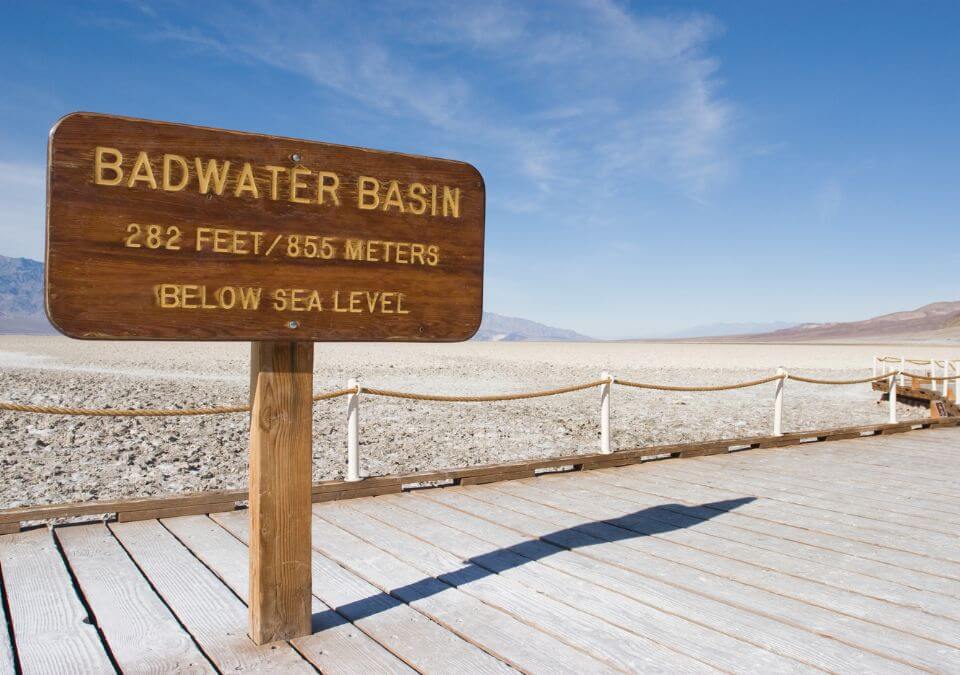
(631, 526)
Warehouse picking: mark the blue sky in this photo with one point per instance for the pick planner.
(649, 166)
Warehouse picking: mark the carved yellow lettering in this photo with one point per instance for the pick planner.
(416, 253)
(328, 183)
(246, 182)
(189, 295)
(336, 303)
(416, 192)
(451, 198)
(297, 184)
(142, 171)
(394, 198)
(274, 172)
(280, 299)
(433, 255)
(402, 254)
(203, 233)
(433, 200)
(356, 298)
(353, 249)
(227, 297)
(168, 296)
(250, 297)
(400, 309)
(167, 175)
(372, 252)
(101, 164)
(313, 303)
(221, 241)
(368, 187)
(212, 173)
(372, 300)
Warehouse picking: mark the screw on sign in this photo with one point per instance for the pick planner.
(161, 231)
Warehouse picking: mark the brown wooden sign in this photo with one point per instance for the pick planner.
(173, 232)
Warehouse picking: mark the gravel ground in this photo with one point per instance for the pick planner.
(50, 459)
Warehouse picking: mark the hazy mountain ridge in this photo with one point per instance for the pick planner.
(722, 329)
(499, 328)
(938, 320)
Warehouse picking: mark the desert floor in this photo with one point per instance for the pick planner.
(48, 459)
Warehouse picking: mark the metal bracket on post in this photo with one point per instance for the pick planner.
(605, 390)
(353, 431)
(778, 403)
(892, 395)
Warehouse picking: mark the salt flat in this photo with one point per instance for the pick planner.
(54, 459)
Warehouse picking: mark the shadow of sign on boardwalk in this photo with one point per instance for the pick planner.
(503, 559)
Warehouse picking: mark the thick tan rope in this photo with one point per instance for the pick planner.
(722, 387)
(479, 399)
(147, 412)
(875, 378)
(928, 378)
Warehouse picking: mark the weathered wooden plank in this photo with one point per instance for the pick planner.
(411, 636)
(281, 456)
(807, 467)
(850, 594)
(845, 484)
(143, 635)
(335, 646)
(213, 615)
(911, 589)
(767, 519)
(847, 501)
(592, 558)
(496, 632)
(736, 584)
(939, 555)
(7, 661)
(51, 627)
(661, 637)
(604, 640)
(175, 511)
(888, 528)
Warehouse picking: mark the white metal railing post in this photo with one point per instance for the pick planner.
(903, 367)
(933, 373)
(605, 390)
(778, 403)
(946, 374)
(892, 395)
(353, 431)
(876, 365)
(956, 383)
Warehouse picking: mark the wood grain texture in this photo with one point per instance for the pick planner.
(411, 636)
(513, 641)
(210, 611)
(53, 631)
(7, 660)
(605, 641)
(281, 437)
(143, 634)
(335, 646)
(102, 285)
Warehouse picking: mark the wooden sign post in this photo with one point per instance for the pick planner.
(159, 231)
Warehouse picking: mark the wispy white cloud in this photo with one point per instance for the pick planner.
(559, 92)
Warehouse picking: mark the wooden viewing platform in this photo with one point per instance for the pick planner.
(839, 556)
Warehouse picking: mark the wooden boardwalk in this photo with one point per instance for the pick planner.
(840, 556)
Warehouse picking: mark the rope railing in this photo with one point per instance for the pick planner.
(354, 390)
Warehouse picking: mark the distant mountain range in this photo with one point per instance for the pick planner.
(722, 329)
(21, 297)
(498, 328)
(938, 321)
